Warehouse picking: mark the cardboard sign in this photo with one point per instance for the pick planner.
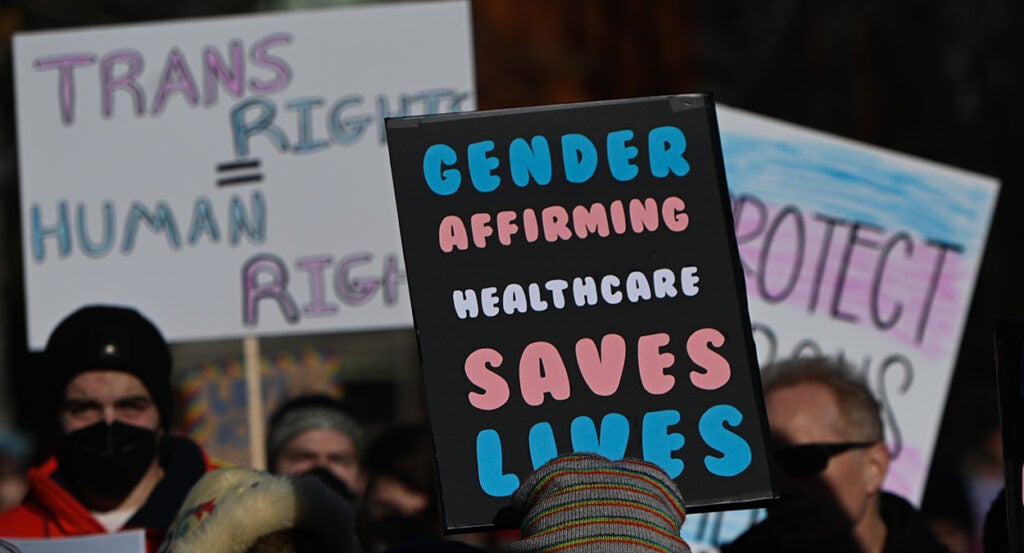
(575, 286)
(132, 541)
(1010, 367)
(227, 176)
(855, 251)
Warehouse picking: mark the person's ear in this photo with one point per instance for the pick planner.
(875, 467)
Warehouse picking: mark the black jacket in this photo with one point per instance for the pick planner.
(907, 531)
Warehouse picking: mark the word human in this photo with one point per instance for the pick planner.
(581, 291)
(443, 169)
(95, 232)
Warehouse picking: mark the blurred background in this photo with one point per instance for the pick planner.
(937, 79)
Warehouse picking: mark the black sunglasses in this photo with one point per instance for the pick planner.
(808, 459)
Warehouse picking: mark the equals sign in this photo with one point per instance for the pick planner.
(239, 172)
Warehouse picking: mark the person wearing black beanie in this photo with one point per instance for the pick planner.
(115, 466)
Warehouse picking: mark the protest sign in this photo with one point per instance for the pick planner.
(132, 541)
(1009, 342)
(854, 251)
(228, 176)
(575, 286)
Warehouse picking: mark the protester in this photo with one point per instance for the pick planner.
(584, 503)
(115, 466)
(315, 430)
(832, 461)
(242, 510)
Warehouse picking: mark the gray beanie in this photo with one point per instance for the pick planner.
(582, 502)
(311, 412)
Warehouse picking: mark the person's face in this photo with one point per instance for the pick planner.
(833, 504)
(324, 448)
(107, 396)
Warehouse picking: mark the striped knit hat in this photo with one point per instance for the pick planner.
(584, 503)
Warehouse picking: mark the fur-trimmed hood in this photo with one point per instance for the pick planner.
(230, 508)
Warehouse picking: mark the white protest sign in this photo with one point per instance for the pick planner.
(228, 177)
(133, 541)
(855, 251)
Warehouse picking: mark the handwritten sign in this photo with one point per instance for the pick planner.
(228, 176)
(856, 251)
(575, 286)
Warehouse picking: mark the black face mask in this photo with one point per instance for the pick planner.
(108, 460)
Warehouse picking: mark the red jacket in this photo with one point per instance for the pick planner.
(50, 510)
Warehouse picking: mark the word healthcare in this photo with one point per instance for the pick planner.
(575, 285)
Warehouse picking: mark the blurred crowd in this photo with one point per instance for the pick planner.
(332, 487)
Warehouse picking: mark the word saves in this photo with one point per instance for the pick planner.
(543, 376)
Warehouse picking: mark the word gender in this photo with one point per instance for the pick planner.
(443, 169)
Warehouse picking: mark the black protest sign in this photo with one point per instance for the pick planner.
(575, 285)
(1010, 379)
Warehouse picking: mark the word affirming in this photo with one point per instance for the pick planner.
(123, 71)
(265, 277)
(74, 230)
(716, 428)
(443, 169)
(582, 291)
(903, 274)
(344, 122)
(556, 223)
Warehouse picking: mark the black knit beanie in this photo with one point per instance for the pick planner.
(111, 338)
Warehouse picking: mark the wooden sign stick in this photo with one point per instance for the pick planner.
(254, 402)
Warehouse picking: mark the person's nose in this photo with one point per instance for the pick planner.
(109, 416)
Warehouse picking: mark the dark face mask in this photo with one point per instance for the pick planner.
(107, 460)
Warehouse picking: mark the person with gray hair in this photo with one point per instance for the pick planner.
(312, 431)
(831, 461)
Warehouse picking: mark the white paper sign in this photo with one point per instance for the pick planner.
(856, 251)
(133, 541)
(228, 177)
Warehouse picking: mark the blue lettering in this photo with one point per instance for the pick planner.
(579, 157)
(481, 166)
(256, 229)
(96, 250)
(666, 147)
(262, 124)
(442, 183)
(542, 444)
(493, 481)
(161, 220)
(348, 130)
(60, 231)
(735, 451)
(533, 159)
(203, 222)
(619, 155)
(304, 107)
(613, 440)
(658, 443)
